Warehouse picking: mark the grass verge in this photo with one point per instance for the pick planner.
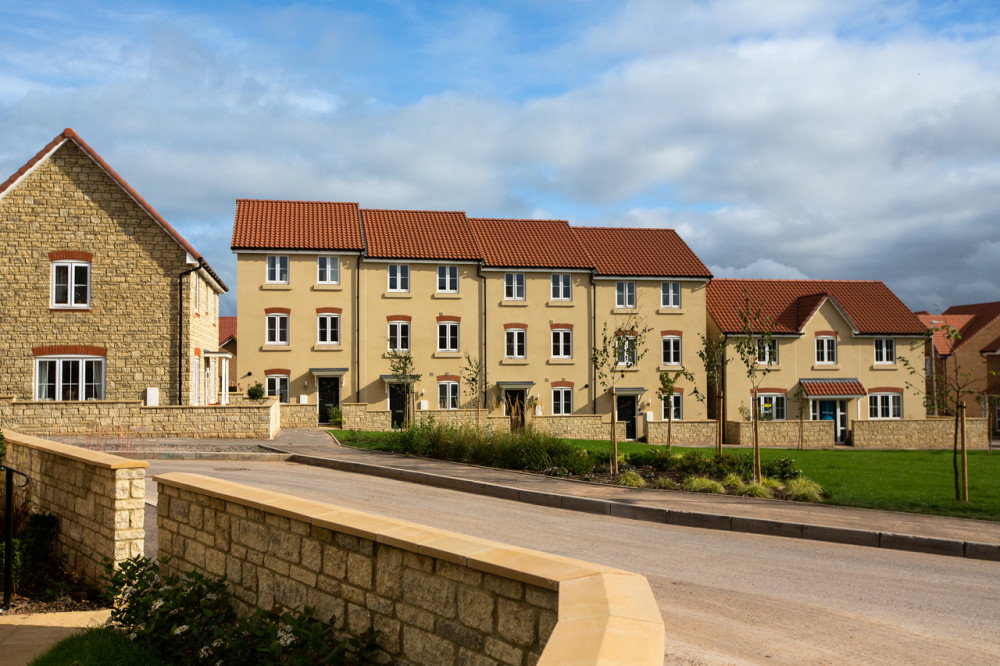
(102, 646)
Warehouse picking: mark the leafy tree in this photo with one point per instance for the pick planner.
(619, 349)
(755, 347)
(401, 367)
(713, 358)
(668, 380)
(476, 383)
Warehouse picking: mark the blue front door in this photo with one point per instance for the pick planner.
(828, 410)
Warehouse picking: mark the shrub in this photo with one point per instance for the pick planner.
(335, 417)
(701, 484)
(803, 490)
(773, 484)
(255, 392)
(733, 482)
(630, 479)
(783, 469)
(754, 489)
(664, 483)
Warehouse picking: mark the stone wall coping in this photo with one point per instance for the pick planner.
(606, 615)
(95, 458)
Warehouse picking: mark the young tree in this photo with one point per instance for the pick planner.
(668, 380)
(713, 357)
(757, 350)
(801, 402)
(620, 349)
(401, 367)
(476, 383)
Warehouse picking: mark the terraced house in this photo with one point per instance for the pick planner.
(326, 290)
(104, 301)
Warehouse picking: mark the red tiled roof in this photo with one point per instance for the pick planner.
(942, 344)
(419, 234)
(227, 329)
(529, 243)
(639, 252)
(869, 305)
(991, 348)
(262, 224)
(833, 387)
(69, 135)
(983, 314)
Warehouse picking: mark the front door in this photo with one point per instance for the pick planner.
(329, 396)
(514, 404)
(836, 411)
(397, 404)
(626, 414)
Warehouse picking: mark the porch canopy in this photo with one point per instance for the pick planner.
(328, 372)
(515, 386)
(833, 387)
(630, 390)
(391, 379)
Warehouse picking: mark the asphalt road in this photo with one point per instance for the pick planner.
(726, 598)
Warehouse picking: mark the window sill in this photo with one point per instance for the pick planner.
(619, 368)
(397, 294)
(771, 367)
(819, 367)
(446, 294)
(276, 348)
(327, 348)
(513, 361)
(446, 354)
(513, 304)
(561, 361)
(69, 309)
(624, 310)
(883, 366)
(401, 351)
(327, 287)
(559, 304)
(670, 311)
(276, 287)
(671, 368)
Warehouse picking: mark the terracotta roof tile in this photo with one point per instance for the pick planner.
(983, 315)
(846, 387)
(69, 135)
(869, 305)
(942, 344)
(263, 224)
(640, 252)
(419, 234)
(992, 347)
(227, 329)
(529, 243)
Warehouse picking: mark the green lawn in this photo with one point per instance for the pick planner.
(910, 481)
(97, 647)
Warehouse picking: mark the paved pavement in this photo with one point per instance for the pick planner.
(24, 637)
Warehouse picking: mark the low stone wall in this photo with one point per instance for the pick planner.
(682, 433)
(456, 417)
(933, 433)
(299, 416)
(437, 597)
(250, 419)
(357, 417)
(782, 434)
(99, 499)
(580, 426)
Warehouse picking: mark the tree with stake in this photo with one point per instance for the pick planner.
(713, 357)
(476, 383)
(758, 351)
(668, 382)
(620, 349)
(401, 367)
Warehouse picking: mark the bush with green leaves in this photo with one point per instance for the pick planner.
(701, 484)
(630, 479)
(189, 619)
(335, 417)
(256, 392)
(802, 489)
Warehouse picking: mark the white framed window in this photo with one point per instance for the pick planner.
(676, 401)
(562, 401)
(771, 407)
(399, 336)
(70, 284)
(399, 277)
(448, 336)
(514, 339)
(448, 279)
(562, 343)
(328, 329)
(277, 329)
(277, 269)
(671, 354)
(767, 354)
(670, 294)
(277, 385)
(448, 395)
(327, 270)
(885, 351)
(513, 286)
(624, 294)
(69, 378)
(826, 350)
(626, 351)
(885, 406)
(196, 381)
(562, 287)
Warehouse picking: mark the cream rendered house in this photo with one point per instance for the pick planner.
(836, 354)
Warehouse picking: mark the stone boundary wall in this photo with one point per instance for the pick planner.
(253, 420)
(299, 416)
(782, 434)
(99, 499)
(357, 417)
(936, 433)
(456, 417)
(683, 433)
(579, 426)
(437, 597)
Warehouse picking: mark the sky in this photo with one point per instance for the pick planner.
(806, 139)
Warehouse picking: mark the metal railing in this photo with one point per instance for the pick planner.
(8, 560)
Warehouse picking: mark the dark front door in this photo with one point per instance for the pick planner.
(626, 414)
(514, 401)
(329, 396)
(397, 404)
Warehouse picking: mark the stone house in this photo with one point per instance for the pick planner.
(105, 301)
(227, 343)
